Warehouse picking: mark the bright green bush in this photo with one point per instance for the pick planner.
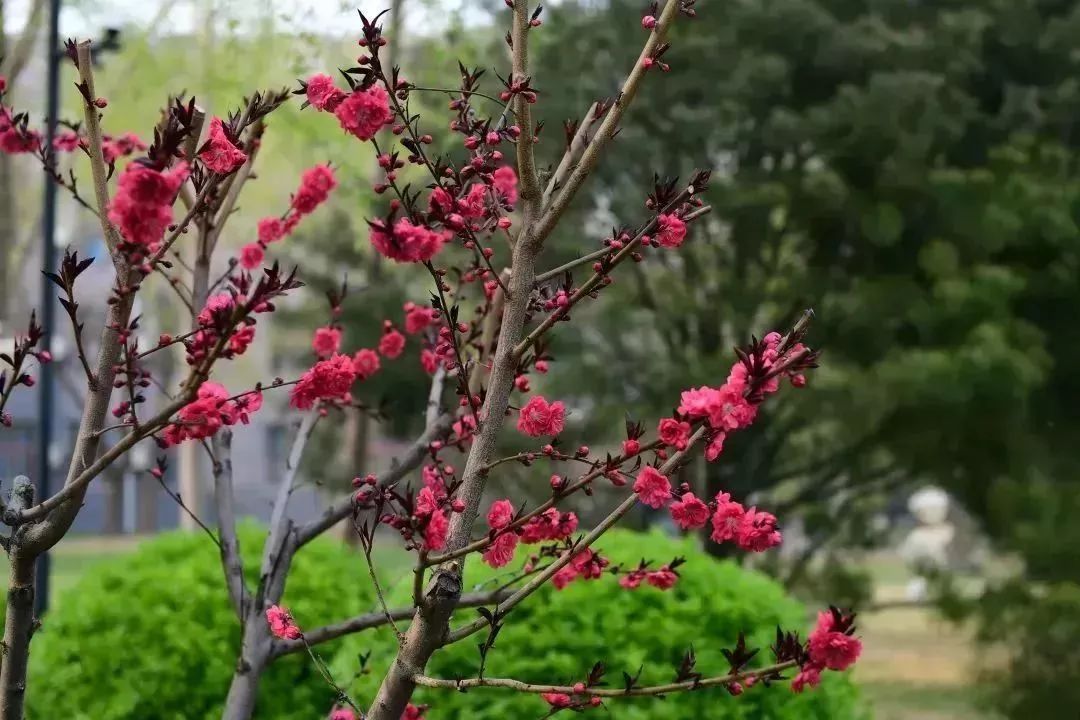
(151, 636)
(556, 637)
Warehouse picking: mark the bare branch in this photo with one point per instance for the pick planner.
(596, 691)
(231, 560)
(373, 620)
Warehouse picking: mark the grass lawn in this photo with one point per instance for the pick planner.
(914, 665)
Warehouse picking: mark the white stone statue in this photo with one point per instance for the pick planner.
(927, 545)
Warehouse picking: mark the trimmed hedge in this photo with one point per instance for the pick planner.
(151, 635)
(557, 636)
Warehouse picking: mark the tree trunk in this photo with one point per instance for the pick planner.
(18, 627)
(240, 702)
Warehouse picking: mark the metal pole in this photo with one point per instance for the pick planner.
(46, 409)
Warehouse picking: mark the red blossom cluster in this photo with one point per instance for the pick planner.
(142, 206)
(316, 184)
(212, 409)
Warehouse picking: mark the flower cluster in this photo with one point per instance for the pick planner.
(328, 379)
(282, 624)
(221, 153)
(316, 184)
(142, 206)
(831, 646)
(209, 412)
(539, 417)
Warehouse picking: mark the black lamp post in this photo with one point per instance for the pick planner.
(46, 393)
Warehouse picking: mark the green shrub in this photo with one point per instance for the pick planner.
(151, 635)
(556, 637)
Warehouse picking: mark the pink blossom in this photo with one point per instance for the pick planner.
(414, 712)
(715, 446)
(322, 94)
(632, 580)
(241, 339)
(428, 500)
(674, 433)
(670, 231)
(652, 487)
(270, 229)
(664, 578)
(365, 363)
(689, 512)
(505, 181)
(435, 533)
(66, 141)
(328, 379)
(757, 531)
(364, 112)
(500, 514)
(698, 402)
(315, 186)
(142, 205)
(251, 256)
(730, 410)
(727, 518)
(406, 242)
(557, 700)
(566, 575)
(549, 525)
(538, 417)
(501, 551)
(281, 623)
(830, 647)
(391, 344)
(429, 361)
(219, 153)
(342, 713)
(326, 341)
(440, 200)
(418, 317)
(809, 676)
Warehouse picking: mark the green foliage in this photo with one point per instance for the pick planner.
(556, 636)
(152, 636)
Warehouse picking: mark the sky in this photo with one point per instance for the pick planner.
(82, 17)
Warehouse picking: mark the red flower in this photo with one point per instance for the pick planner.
(726, 518)
(557, 700)
(566, 575)
(652, 487)
(414, 712)
(715, 447)
(364, 112)
(664, 578)
(406, 242)
(809, 676)
(281, 623)
(323, 94)
(418, 318)
(66, 141)
(757, 531)
(270, 229)
(831, 648)
(501, 551)
(429, 361)
(142, 206)
(674, 433)
(326, 341)
(391, 344)
(219, 153)
(251, 256)
(549, 525)
(500, 514)
(315, 186)
(435, 533)
(689, 512)
(670, 231)
(506, 181)
(327, 380)
(365, 363)
(698, 402)
(241, 339)
(342, 713)
(538, 417)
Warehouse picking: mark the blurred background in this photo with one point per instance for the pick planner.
(908, 169)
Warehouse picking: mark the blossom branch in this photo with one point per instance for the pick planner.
(606, 524)
(526, 160)
(770, 672)
(574, 148)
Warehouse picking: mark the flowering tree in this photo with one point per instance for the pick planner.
(487, 357)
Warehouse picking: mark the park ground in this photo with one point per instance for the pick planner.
(915, 665)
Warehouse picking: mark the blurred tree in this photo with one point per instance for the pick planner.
(907, 169)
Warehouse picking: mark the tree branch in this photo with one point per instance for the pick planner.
(595, 691)
(373, 620)
(231, 561)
